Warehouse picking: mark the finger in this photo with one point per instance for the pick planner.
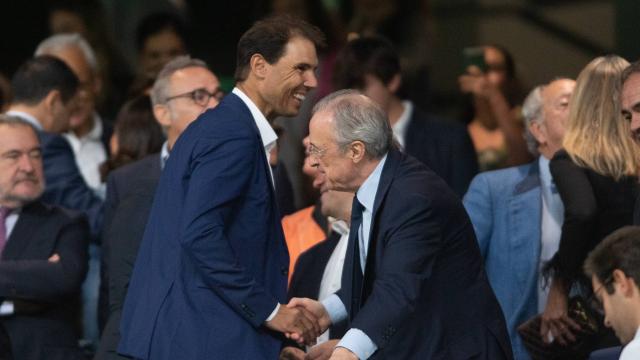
(572, 324)
(294, 302)
(544, 328)
(313, 319)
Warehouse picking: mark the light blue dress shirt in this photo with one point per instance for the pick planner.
(355, 339)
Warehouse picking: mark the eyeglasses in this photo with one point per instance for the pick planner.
(199, 96)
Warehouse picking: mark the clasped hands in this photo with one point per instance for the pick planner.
(302, 320)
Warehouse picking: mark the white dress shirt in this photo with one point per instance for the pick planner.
(332, 276)
(6, 307)
(632, 350)
(27, 117)
(551, 227)
(90, 153)
(269, 139)
(400, 127)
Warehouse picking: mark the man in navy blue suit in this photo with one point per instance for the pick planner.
(413, 284)
(44, 90)
(211, 274)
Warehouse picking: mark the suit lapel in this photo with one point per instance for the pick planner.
(28, 221)
(525, 211)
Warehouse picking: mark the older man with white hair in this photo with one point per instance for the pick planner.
(517, 213)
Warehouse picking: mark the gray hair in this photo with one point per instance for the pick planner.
(58, 42)
(532, 113)
(15, 121)
(160, 90)
(358, 118)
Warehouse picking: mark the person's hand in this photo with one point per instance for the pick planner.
(314, 307)
(291, 353)
(322, 351)
(475, 82)
(556, 325)
(341, 353)
(54, 258)
(296, 323)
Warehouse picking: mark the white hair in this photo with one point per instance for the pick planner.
(58, 42)
(532, 113)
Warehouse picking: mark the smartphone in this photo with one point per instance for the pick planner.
(474, 56)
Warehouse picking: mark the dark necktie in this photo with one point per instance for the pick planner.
(356, 291)
(4, 213)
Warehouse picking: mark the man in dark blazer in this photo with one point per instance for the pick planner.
(43, 91)
(371, 65)
(211, 272)
(130, 189)
(43, 254)
(413, 284)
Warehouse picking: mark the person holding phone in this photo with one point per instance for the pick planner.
(494, 121)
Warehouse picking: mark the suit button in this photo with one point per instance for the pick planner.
(284, 271)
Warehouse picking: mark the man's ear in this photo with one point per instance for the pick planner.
(538, 133)
(162, 114)
(622, 283)
(394, 84)
(258, 66)
(357, 151)
(50, 100)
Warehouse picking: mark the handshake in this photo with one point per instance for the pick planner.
(302, 320)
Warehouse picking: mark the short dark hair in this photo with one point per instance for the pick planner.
(138, 132)
(630, 70)
(369, 55)
(40, 75)
(156, 23)
(268, 37)
(620, 250)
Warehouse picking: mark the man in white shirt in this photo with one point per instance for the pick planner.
(614, 267)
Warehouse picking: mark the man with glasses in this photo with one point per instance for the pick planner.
(210, 277)
(614, 269)
(184, 89)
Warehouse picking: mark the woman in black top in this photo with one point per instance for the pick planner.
(595, 176)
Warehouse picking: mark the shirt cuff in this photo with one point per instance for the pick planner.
(335, 308)
(6, 308)
(356, 341)
(273, 313)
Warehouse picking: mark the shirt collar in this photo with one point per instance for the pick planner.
(367, 192)
(164, 154)
(267, 134)
(545, 172)
(94, 135)
(339, 226)
(400, 127)
(27, 117)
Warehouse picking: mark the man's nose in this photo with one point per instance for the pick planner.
(311, 81)
(26, 163)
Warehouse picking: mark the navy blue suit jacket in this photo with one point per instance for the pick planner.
(64, 183)
(213, 263)
(425, 294)
(445, 147)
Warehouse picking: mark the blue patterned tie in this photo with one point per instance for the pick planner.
(4, 213)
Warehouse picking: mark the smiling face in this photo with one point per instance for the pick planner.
(288, 80)
(21, 176)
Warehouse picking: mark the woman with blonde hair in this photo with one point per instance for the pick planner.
(595, 175)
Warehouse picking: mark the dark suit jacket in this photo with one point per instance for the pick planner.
(443, 146)
(45, 295)
(213, 263)
(425, 294)
(130, 192)
(65, 185)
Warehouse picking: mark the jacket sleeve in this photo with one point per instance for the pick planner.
(580, 208)
(44, 281)
(65, 185)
